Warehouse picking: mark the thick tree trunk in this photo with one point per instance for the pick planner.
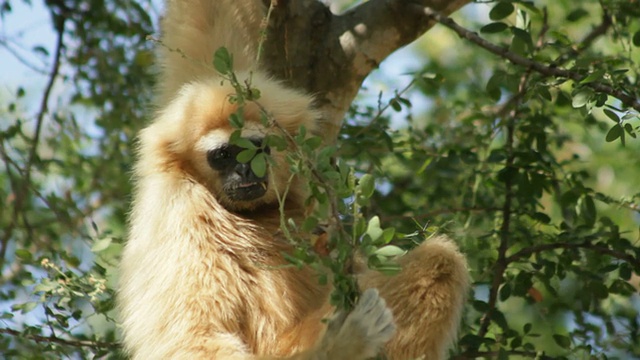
(330, 55)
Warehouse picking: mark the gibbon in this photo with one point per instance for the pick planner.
(202, 274)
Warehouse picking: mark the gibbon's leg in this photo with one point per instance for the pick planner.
(426, 299)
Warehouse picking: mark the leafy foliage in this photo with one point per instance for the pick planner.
(532, 166)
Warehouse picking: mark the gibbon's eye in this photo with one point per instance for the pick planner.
(221, 158)
(221, 154)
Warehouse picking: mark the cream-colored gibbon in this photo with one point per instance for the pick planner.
(202, 273)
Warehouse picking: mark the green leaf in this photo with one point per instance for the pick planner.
(254, 94)
(494, 28)
(625, 271)
(544, 93)
(501, 11)
(505, 292)
(541, 217)
(24, 307)
(236, 120)
(223, 61)
(594, 76)
(581, 97)
(493, 85)
(276, 142)
(629, 129)
(390, 250)
(614, 133)
(395, 105)
(24, 255)
(101, 244)
(366, 185)
(246, 155)
(244, 143)
(636, 38)
(373, 228)
(309, 223)
(387, 235)
(598, 290)
(45, 285)
(611, 115)
(563, 341)
(259, 164)
(388, 268)
(313, 142)
(577, 14)
(522, 35)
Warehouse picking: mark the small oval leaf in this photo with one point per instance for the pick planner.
(390, 250)
(493, 28)
(501, 11)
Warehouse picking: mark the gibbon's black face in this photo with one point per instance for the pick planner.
(239, 182)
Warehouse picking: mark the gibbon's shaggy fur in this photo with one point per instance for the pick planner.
(201, 273)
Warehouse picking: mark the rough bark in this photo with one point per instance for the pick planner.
(329, 55)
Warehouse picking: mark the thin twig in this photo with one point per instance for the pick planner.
(44, 103)
(57, 340)
(551, 71)
(382, 109)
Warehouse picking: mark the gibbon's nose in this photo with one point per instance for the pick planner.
(245, 172)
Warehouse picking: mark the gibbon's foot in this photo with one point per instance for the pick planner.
(426, 297)
(363, 332)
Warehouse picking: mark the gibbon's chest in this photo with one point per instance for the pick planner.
(265, 297)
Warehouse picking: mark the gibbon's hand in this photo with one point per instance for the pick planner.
(361, 333)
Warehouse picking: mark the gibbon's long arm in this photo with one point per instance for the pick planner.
(192, 30)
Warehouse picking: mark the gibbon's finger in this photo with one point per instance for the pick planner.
(384, 320)
(381, 321)
(372, 314)
(368, 301)
(336, 322)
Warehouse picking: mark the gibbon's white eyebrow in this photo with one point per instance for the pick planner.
(213, 140)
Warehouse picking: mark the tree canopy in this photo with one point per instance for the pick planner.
(510, 125)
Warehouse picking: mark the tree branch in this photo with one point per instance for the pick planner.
(629, 100)
(527, 252)
(373, 30)
(21, 192)
(57, 340)
(505, 228)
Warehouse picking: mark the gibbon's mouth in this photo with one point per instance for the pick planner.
(247, 191)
